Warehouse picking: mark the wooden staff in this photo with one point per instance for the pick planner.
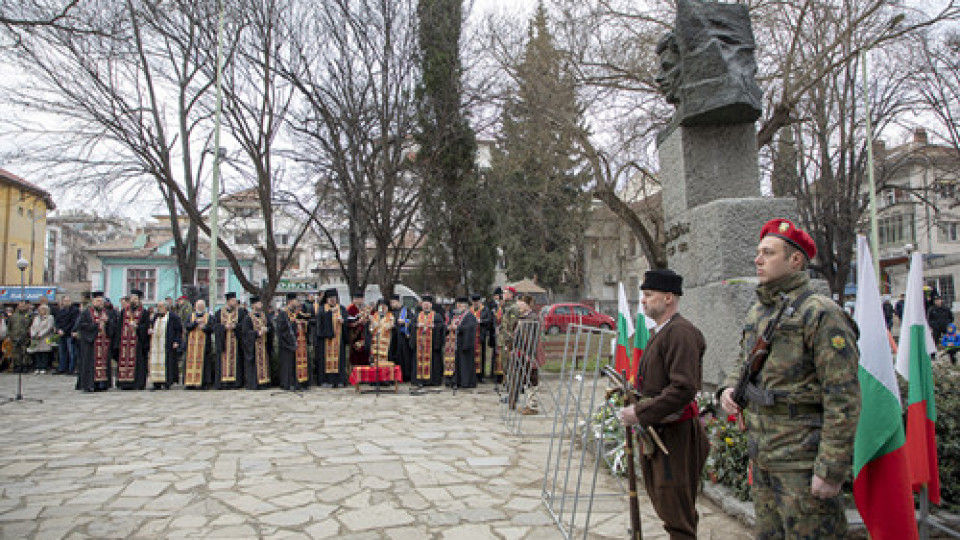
(635, 530)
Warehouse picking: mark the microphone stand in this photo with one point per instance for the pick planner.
(19, 396)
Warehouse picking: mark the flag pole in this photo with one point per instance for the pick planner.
(874, 228)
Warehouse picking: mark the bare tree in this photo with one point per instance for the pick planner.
(352, 66)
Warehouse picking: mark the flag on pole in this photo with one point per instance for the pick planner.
(641, 335)
(624, 334)
(913, 363)
(881, 484)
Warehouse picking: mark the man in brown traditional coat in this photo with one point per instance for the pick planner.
(669, 378)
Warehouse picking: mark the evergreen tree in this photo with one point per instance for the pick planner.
(543, 211)
(453, 212)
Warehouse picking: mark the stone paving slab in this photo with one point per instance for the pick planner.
(240, 464)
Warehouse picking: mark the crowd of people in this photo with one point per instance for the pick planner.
(311, 340)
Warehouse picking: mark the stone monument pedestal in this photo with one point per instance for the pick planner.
(713, 213)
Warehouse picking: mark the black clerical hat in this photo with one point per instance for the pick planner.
(426, 298)
(664, 280)
(291, 296)
(475, 297)
(498, 290)
(254, 300)
(137, 292)
(330, 292)
(356, 294)
(394, 296)
(462, 299)
(230, 295)
(96, 294)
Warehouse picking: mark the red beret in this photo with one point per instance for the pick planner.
(512, 290)
(786, 230)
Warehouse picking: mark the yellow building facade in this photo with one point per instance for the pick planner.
(23, 229)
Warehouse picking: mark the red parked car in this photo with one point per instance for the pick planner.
(557, 317)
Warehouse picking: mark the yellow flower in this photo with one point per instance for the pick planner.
(729, 441)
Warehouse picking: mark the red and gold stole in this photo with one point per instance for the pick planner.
(497, 361)
(424, 344)
(450, 345)
(478, 346)
(380, 329)
(331, 351)
(101, 346)
(228, 360)
(303, 370)
(261, 360)
(127, 364)
(196, 351)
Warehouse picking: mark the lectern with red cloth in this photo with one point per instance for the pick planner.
(371, 374)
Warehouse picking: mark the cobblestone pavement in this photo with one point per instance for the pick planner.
(241, 464)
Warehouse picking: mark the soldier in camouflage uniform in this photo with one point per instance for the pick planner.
(801, 446)
(505, 335)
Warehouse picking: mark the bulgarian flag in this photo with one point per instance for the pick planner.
(881, 485)
(625, 331)
(641, 335)
(913, 363)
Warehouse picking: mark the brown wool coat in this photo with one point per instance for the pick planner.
(671, 373)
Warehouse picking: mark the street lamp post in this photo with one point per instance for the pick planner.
(22, 265)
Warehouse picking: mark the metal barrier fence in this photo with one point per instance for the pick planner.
(576, 450)
(524, 388)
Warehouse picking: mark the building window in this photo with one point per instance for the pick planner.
(948, 190)
(30, 214)
(247, 239)
(203, 280)
(20, 211)
(595, 248)
(944, 286)
(633, 247)
(283, 239)
(950, 231)
(897, 230)
(144, 279)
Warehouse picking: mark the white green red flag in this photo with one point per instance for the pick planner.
(881, 483)
(641, 335)
(625, 330)
(913, 363)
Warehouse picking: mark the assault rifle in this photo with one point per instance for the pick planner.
(746, 390)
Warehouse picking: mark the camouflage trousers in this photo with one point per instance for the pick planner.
(786, 509)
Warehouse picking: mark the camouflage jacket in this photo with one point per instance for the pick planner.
(508, 325)
(812, 372)
(19, 326)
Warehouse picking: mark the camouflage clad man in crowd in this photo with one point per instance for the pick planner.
(505, 335)
(801, 445)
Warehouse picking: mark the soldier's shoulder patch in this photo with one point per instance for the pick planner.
(838, 342)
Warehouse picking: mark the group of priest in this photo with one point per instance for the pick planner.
(311, 341)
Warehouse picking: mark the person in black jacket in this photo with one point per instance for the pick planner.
(938, 317)
(64, 320)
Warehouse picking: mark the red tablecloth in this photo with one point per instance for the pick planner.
(370, 374)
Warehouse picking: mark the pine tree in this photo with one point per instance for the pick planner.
(543, 213)
(457, 221)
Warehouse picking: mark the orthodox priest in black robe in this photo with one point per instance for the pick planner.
(229, 365)
(199, 369)
(287, 337)
(428, 334)
(333, 333)
(255, 330)
(134, 333)
(95, 328)
(166, 342)
(461, 345)
(402, 339)
(484, 322)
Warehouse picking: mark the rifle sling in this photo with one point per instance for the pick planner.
(792, 309)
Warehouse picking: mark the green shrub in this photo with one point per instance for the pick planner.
(946, 377)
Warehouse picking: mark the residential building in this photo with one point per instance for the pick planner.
(23, 215)
(919, 210)
(69, 234)
(613, 253)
